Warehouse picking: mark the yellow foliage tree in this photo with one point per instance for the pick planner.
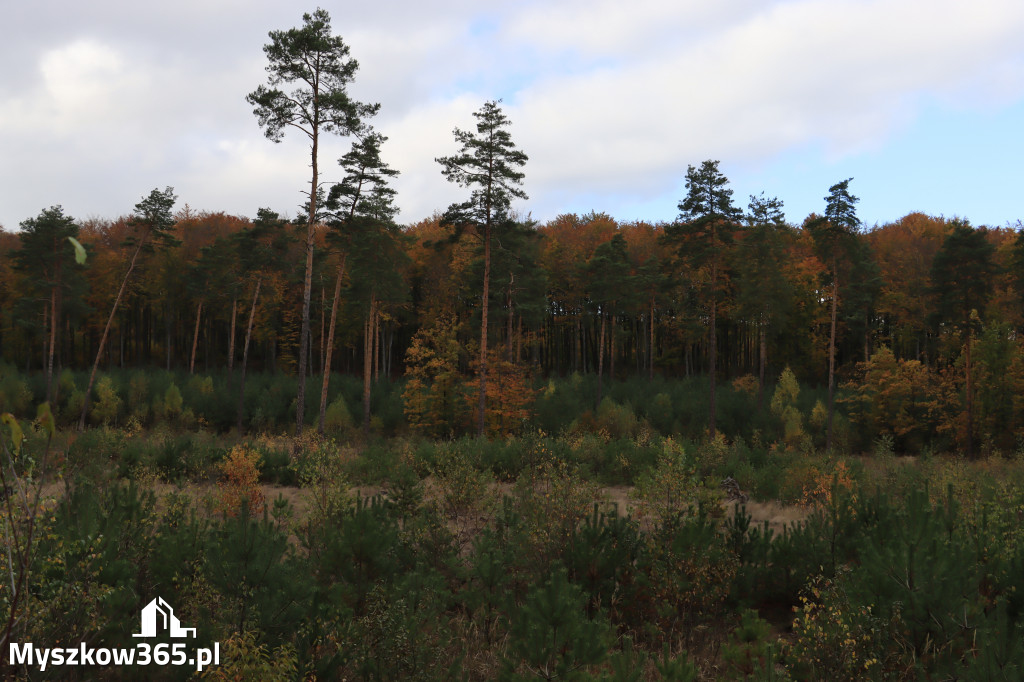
(510, 395)
(240, 481)
(892, 397)
(435, 396)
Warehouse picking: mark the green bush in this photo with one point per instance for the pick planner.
(337, 418)
(106, 406)
(15, 396)
(551, 635)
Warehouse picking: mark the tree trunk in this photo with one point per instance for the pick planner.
(168, 324)
(367, 367)
(195, 339)
(106, 332)
(713, 355)
(330, 344)
(577, 365)
(611, 351)
(832, 355)
(650, 359)
(508, 332)
(231, 338)
(375, 318)
(600, 361)
(970, 400)
(323, 303)
(55, 304)
(761, 366)
(307, 285)
(245, 355)
(482, 401)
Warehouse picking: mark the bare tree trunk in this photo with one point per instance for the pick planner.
(832, 355)
(485, 297)
(577, 345)
(231, 337)
(167, 336)
(307, 289)
(970, 400)
(761, 369)
(611, 350)
(508, 332)
(330, 344)
(323, 303)
(245, 355)
(55, 303)
(650, 359)
(600, 360)
(106, 331)
(367, 366)
(195, 339)
(376, 338)
(712, 354)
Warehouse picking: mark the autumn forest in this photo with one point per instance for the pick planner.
(738, 445)
(577, 295)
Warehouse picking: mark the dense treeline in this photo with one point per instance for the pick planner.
(577, 294)
(479, 300)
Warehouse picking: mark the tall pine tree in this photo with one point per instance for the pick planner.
(764, 292)
(361, 213)
(486, 163)
(318, 65)
(151, 223)
(46, 257)
(703, 237)
(833, 238)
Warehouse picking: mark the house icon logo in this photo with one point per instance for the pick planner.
(158, 615)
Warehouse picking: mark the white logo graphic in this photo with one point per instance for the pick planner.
(158, 615)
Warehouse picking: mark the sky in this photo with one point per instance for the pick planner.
(921, 102)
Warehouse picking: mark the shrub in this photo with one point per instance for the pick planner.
(138, 396)
(463, 486)
(172, 403)
(618, 421)
(107, 407)
(550, 501)
(338, 419)
(246, 659)
(660, 413)
(784, 407)
(672, 488)
(15, 396)
(239, 483)
(551, 635)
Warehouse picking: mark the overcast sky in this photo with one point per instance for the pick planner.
(920, 101)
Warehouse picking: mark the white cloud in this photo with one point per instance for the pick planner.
(843, 74)
(607, 98)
